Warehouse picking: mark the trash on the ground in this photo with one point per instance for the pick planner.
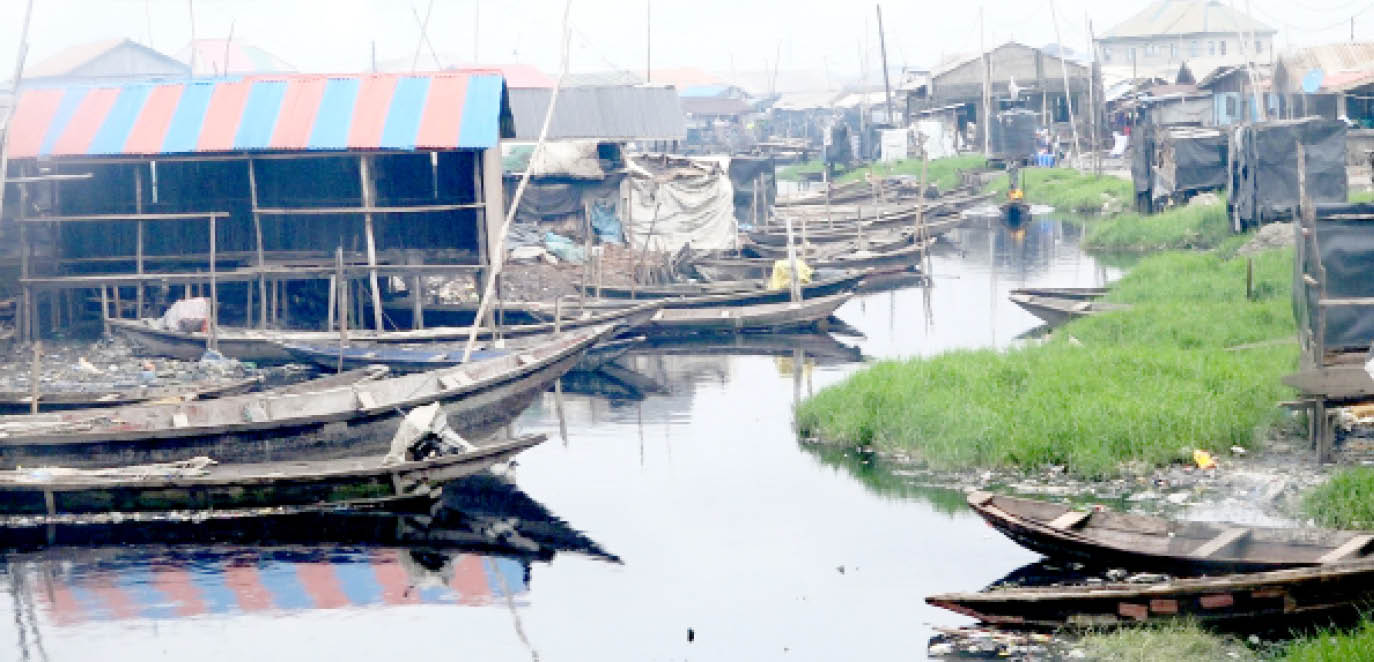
(187, 315)
(1203, 459)
(423, 433)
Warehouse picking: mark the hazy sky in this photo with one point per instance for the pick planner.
(717, 35)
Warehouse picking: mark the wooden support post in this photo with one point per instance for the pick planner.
(333, 302)
(587, 250)
(342, 284)
(118, 305)
(792, 261)
(257, 231)
(35, 374)
(417, 302)
(558, 314)
(138, 240)
(369, 200)
(105, 308)
(213, 336)
(825, 177)
(29, 327)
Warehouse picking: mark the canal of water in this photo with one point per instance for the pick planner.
(673, 515)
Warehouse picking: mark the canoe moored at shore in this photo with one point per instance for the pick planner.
(1103, 537)
(143, 488)
(1072, 293)
(433, 356)
(732, 293)
(1278, 597)
(808, 313)
(264, 346)
(1056, 311)
(113, 395)
(343, 421)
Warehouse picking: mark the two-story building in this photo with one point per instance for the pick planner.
(1206, 34)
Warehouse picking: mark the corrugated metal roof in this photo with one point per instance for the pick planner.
(611, 113)
(72, 59)
(714, 106)
(263, 113)
(1345, 65)
(1183, 17)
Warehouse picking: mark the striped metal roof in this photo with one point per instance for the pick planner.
(264, 113)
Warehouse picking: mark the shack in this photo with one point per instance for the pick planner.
(1263, 170)
(127, 196)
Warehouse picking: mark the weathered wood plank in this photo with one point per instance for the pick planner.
(1224, 539)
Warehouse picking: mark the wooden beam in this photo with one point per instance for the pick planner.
(365, 209)
(34, 179)
(1223, 540)
(257, 231)
(94, 218)
(1350, 548)
(369, 201)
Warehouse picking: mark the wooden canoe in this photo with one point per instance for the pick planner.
(808, 313)
(1056, 311)
(97, 395)
(907, 254)
(1280, 597)
(1100, 538)
(936, 225)
(264, 346)
(1072, 293)
(820, 346)
(745, 292)
(403, 359)
(344, 421)
(55, 491)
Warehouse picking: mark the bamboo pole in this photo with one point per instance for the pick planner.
(105, 309)
(212, 337)
(138, 246)
(342, 300)
(497, 259)
(1064, 69)
(257, 232)
(333, 302)
(792, 261)
(369, 196)
(587, 251)
(27, 322)
(35, 373)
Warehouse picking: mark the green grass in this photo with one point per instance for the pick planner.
(1346, 501)
(1148, 385)
(1333, 645)
(943, 173)
(1068, 190)
(795, 172)
(1173, 642)
(1189, 226)
(1361, 196)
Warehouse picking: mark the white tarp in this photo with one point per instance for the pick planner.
(689, 201)
(894, 144)
(940, 137)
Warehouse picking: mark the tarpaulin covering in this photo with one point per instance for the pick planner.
(745, 172)
(549, 199)
(1189, 159)
(686, 201)
(1346, 247)
(1012, 134)
(940, 138)
(279, 113)
(1264, 167)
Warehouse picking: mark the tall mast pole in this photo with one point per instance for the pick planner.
(882, 46)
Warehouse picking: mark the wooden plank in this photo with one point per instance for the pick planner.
(1351, 547)
(1070, 520)
(1333, 382)
(364, 209)
(1347, 301)
(100, 218)
(1221, 541)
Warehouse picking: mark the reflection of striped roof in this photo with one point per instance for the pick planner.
(385, 111)
(228, 585)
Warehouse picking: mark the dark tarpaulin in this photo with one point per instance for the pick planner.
(1346, 247)
(1264, 171)
(1190, 160)
(551, 199)
(1012, 134)
(744, 171)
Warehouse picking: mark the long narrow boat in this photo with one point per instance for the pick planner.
(343, 421)
(1102, 537)
(153, 488)
(109, 395)
(814, 345)
(1274, 597)
(264, 346)
(1072, 293)
(419, 358)
(745, 267)
(805, 314)
(1056, 311)
(744, 292)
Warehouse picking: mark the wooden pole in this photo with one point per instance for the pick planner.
(587, 250)
(213, 335)
(257, 232)
(369, 197)
(792, 261)
(29, 328)
(887, 83)
(825, 177)
(333, 302)
(342, 299)
(417, 302)
(35, 373)
(138, 247)
(987, 84)
(105, 308)
(1064, 69)
(5, 148)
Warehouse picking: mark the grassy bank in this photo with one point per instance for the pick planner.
(1147, 385)
(1334, 645)
(1173, 642)
(943, 173)
(1346, 501)
(1186, 227)
(1066, 189)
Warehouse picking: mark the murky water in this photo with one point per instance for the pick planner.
(671, 498)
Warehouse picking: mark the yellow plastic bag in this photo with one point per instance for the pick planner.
(782, 274)
(1204, 459)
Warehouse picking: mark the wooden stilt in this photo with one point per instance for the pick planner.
(213, 336)
(118, 305)
(35, 375)
(105, 309)
(257, 231)
(138, 240)
(369, 199)
(417, 303)
(248, 305)
(343, 304)
(28, 327)
(333, 302)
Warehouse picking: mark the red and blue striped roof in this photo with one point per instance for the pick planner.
(450, 110)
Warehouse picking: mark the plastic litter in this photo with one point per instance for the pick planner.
(782, 274)
(1204, 459)
(563, 248)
